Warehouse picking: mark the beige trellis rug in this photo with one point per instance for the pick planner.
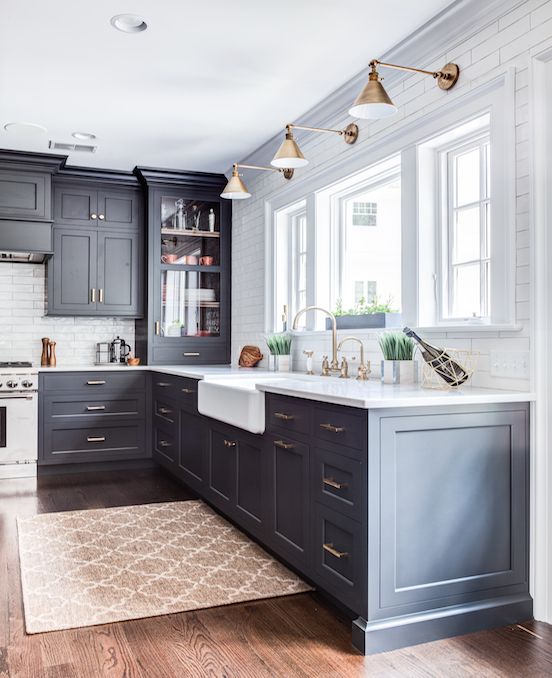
(81, 568)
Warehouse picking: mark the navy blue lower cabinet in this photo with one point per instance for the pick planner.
(192, 461)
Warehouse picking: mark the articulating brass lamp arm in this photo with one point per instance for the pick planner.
(350, 133)
(446, 77)
(287, 172)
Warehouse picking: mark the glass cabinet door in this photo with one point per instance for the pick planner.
(190, 269)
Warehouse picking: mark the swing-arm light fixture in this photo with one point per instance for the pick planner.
(235, 189)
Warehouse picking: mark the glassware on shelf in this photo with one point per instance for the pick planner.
(190, 304)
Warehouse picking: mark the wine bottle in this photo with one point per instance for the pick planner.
(440, 361)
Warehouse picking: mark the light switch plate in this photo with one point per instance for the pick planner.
(511, 364)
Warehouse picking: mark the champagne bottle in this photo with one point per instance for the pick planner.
(440, 361)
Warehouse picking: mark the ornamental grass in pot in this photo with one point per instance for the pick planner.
(398, 365)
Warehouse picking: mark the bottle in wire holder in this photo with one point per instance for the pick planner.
(443, 364)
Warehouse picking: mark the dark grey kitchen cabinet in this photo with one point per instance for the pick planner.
(187, 319)
(221, 480)
(96, 273)
(25, 195)
(192, 462)
(81, 205)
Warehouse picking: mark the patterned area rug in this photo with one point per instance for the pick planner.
(81, 568)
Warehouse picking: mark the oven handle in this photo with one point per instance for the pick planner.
(17, 397)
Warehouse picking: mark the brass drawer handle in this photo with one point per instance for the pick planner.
(164, 410)
(187, 390)
(164, 443)
(334, 552)
(95, 408)
(157, 327)
(283, 445)
(101, 295)
(98, 382)
(284, 417)
(230, 443)
(93, 295)
(333, 483)
(96, 439)
(190, 354)
(332, 428)
(162, 383)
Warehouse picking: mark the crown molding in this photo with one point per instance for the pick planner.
(46, 162)
(445, 31)
(71, 173)
(152, 176)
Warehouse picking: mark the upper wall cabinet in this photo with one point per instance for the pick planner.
(76, 205)
(25, 195)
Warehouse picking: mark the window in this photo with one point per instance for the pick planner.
(366, 290)
(365, 213)
(466, 227)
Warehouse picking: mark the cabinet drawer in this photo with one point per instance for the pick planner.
(287, 414)
(95, 443)
(338, 556)
(340, 426)
(165, 444)
(217, 354)
(165, 411)
(71, 407)
(181, 390)
(337, 482)
(95, 382)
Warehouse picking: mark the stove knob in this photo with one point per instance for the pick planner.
(11, 384)
(26, 383)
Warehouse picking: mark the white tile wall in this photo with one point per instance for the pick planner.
(504, 42)
(23, 321)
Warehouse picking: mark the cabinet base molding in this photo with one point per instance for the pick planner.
(396, 632)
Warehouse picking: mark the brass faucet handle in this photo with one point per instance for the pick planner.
(363, 372)
(344, 369)
(325, 366)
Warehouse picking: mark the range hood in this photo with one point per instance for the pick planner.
(25, 242)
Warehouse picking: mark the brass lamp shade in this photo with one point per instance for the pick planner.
(373, 102)
(289, 154)
(235, 189)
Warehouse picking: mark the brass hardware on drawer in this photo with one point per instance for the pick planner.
(93, 215)
(101, 296)
(187, 390)
(164, 443)
(332, 428)
(284, 417)
(97, 382)
(162, 383)
(93, 295)
(98, 439)
(101, 216)
(157, 327)
(95, 408)
(333, 483)
(229, 443)
(164, 410)
(334, 552)
(190, 354)
(283, 445)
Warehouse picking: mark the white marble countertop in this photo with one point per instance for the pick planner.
(367, 395)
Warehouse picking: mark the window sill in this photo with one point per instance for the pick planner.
(433, 329)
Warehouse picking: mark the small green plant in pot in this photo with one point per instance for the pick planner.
(279, 346)
(398, 365)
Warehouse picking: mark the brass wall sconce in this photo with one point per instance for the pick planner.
(374, 102)
(289, 154)
(235, 189)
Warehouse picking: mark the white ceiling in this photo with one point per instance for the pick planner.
(206, 84)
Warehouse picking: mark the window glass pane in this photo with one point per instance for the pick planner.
(467, 177)
(373, 253)
(466, 246)
(466, 302)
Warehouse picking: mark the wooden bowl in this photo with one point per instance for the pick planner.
(133, 362)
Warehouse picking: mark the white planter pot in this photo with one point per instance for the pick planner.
(280, 363)
(399, 371)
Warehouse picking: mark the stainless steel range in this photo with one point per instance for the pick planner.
(18, 420)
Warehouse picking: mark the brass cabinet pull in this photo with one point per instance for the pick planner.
(164, 410)
(332, 428)
(97, 382)
(284, 417)
(93, 215)
(187, 390)
(96, 439)
(101, 216)
(334, 552)
(157, 327)
(164, 443)
(162, 383)
(95, 408)
(229, 443)
(101, 296)
(283, 445)
(93, 295)
(189, 354)
(333, 483)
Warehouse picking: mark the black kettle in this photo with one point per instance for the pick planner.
(119, 350)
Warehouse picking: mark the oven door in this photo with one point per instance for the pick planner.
(18, 428)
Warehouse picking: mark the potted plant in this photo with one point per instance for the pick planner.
(398, 365)
(365, 315)
(279, 346)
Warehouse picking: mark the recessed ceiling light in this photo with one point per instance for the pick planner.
(83, 136)
(128, 23)
(24, 128)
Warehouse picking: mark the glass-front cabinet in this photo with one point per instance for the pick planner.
(189, 267)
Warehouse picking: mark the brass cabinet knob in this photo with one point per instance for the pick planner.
(164, 410)
(284, 445)
(93, 215)
(187, 390)
(101, 216)
(95, 408)
(96, 382)
(230, 443)
(96, 439)
(164, 443)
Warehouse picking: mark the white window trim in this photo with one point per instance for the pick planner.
(418, 211)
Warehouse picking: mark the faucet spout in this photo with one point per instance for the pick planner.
(334, 365)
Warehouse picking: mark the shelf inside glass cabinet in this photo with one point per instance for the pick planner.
(190, 303)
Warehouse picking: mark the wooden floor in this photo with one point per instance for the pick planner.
(295, 636)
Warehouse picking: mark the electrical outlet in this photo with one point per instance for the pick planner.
(511, 364)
